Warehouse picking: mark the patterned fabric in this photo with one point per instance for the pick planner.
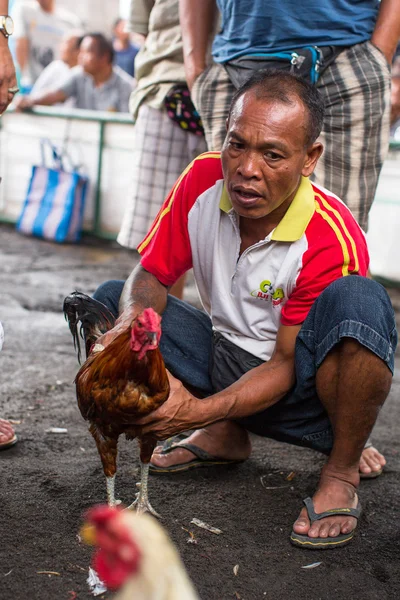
(356, 88)
(274, 282)
(162, 150)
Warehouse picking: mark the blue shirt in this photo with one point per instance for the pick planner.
(125, 59)
(249, 26)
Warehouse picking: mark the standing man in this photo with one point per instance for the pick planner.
(296, 343)
(162, 149)
(39, 29)
(356, 39)
(8, 89)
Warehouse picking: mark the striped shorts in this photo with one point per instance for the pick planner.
(355, 135)
(162, 151)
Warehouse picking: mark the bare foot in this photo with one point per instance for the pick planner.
(371, 461)
(333, 492)
(225, 440)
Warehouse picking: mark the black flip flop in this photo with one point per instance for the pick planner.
(319, 543)
(204, 459)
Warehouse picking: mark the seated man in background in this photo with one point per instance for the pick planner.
(296, 344)
(125, 51)
(95, 84)
(59, 70)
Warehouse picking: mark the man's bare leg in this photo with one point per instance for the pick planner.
(353, 384)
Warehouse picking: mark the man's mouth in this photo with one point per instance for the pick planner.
(245, 196)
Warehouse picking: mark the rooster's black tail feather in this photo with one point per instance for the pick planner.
(95, 319)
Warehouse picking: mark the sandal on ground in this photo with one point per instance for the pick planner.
(319, 543)
(11, 441)
(203, 458)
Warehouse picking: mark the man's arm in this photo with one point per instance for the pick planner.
(386, 34)
(47, 99)
(7, 70)
(197, 18)
(22, 52)
(141, 290)
(255, 391)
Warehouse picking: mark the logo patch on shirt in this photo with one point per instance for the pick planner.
(267, 292)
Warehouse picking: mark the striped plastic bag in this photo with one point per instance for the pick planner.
(55, 201)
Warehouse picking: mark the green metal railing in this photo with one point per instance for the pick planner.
(103, 119)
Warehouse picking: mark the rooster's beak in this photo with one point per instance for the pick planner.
(88, 534)
(152, 337)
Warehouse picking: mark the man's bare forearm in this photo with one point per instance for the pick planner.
(197, 18)
(255, 391)
(387, 29)
(142, 290)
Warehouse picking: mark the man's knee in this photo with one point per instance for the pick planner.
(109, 294)
(358, 299)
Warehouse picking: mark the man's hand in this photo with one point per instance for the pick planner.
(180, 412)
(7, 74)
(24, 103)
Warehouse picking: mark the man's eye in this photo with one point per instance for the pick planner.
(236, 145)
(273, 155)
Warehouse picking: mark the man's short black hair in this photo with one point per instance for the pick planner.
(282, 86)
(104, 45)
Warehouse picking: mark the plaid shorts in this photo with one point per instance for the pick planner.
(162, 151)
(356, 90)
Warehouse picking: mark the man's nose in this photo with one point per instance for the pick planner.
(249, 165)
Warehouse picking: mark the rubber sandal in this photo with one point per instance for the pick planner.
(10, 443)
(319, 543)
(204, 459)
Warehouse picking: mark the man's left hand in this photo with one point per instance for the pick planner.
(182, 411)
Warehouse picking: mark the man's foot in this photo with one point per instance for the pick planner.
(7, 435)
(225, 440)
(334, 492)
(371, 463)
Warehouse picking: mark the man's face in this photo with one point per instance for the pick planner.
(89, 57)
(69, 51)
(264, 154)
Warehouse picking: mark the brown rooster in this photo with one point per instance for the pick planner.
(118, 384)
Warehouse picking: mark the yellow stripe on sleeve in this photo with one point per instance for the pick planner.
(346, 231)
(167, 209)
(331, 222)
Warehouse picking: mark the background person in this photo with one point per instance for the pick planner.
(8, 82)
(59, 70)
(355, 86)
(40, 26)
(95, 84)
(161, 148)
(125, 51)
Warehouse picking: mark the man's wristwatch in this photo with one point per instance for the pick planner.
(6, 25)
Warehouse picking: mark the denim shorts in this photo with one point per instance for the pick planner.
(351, 307)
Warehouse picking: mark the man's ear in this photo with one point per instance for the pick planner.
(227, 124)
(313, 153)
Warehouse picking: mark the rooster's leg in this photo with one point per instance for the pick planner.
(142, 504)
(110, 482)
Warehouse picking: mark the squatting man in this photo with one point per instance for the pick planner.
(295, 343)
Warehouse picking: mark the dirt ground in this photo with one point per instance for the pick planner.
(48, 480)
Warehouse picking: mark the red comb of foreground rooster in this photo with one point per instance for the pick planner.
(135, 556)
(119, 383)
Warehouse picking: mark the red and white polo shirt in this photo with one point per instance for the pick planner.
(273, 282)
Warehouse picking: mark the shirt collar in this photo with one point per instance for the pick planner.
(296, 218)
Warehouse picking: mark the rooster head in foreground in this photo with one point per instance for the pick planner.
(145, 332)
(135, 556)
